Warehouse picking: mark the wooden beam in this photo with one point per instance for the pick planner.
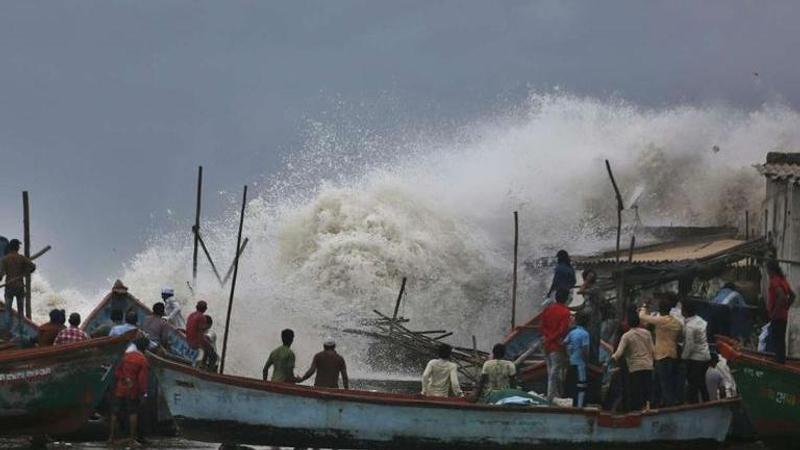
(238, 255)
(630, 250)
(514, 274)
(620, 205)
(196, 227)
(26, 229)
(233, 283)
(208, 256)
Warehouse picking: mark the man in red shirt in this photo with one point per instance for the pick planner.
(195, 325)
(131, 387)
(554, 327)
(779, 301)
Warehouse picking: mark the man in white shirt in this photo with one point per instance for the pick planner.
(695, 354)
(172, 309)
(497, 373)
(440, 378)
(715, 382)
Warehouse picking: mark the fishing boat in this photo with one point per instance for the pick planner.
(101, 315)
(20, 334)
(770, 391)
(222, 408)
(54, 390)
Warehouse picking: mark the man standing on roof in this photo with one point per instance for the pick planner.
(554, 326)
(282, 359)
(73, 333)
(14, 267)
(563, 276)
(172, 309)
(328, 365)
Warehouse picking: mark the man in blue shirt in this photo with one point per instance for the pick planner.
(577, 345)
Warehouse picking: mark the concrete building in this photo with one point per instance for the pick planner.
(781, 221)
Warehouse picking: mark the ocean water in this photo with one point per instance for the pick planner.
(355, 210)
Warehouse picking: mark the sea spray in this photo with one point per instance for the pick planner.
(351, 213)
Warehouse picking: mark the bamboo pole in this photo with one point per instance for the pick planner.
(196, 227)
(26, 226)
(233, 283)
(399, 298)
(514, 274)
(630, 250)
(208, 256)
(238, 255)
(747, 225)
(620, 205)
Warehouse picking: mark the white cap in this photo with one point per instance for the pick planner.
(329, 342)
(167, 291)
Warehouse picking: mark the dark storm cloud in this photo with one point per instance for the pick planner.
(107, 106)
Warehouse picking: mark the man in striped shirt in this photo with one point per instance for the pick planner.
(73, 333)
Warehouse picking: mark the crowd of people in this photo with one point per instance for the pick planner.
(645, 358)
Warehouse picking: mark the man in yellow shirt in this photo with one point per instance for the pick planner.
(668, 331)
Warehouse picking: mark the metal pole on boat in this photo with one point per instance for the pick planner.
(196, 227)
(514, 274)
(233, 283)
(26, 226)
(747, 225)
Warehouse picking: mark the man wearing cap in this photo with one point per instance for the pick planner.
(328, 365)
(14, 267)
(172, 309)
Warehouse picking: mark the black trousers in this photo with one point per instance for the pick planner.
(696, 389)
(641, 388)
(777, 334)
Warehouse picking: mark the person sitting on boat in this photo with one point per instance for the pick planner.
(155, 326)
(73, 333)
(669, 330)
(715, 382)
(554, 326)
(116, 317)
(497, 373)
(563, 276)
(440, 378)
(729, 295)
(131, 321)
(172, 309)
(328, 365)
(196, 325)
(209, 358)
(636, 346)
(577, 345)
(131, 374)
(282, 358)
(47, 332)
(14, 267)
(695, 354)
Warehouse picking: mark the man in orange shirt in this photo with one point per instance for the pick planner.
(131, 388)
(554, 327)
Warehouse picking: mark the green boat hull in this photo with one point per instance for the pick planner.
(770, 392)
(54, 390)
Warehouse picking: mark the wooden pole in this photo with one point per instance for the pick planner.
(514, 274)
(196, 227)
(630, 250)
(233, 283)
(747, 225)
(399, 298)
(620, 205)
(208, 256)
(230, 269)
(26, 226)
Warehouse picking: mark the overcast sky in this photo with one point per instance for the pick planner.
(107, 107)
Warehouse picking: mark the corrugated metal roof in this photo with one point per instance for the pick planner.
(672, 251)
(780, 172)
